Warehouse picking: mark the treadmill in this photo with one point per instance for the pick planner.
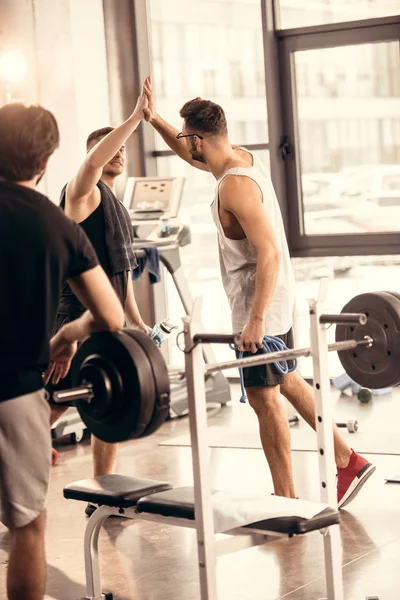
(153, 204)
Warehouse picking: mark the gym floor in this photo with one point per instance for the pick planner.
(146, 561)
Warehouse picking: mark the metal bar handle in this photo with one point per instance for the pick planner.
(271, 357)
(344, 319)
(216, 338)
(84, 392)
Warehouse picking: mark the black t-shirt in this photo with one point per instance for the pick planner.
(95, 228)
(39, 248)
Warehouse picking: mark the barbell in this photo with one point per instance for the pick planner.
(122, 386)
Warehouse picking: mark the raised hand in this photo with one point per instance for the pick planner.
(150, 112)
(141, 104)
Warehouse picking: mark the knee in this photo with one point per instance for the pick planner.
(289, 384)
(36, 527)
(263, 400)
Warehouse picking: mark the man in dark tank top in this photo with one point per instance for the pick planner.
(89, 199)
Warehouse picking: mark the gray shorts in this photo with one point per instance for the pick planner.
(25, 458)
(266, 375)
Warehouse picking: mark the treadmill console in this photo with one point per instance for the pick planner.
(153, 204)
(150, 198)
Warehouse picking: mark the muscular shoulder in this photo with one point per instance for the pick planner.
(235, 188)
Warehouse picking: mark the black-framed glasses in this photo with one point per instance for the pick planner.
(183, 135)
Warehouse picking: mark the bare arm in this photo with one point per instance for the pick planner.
(94, 290)
(242, 197)
(167, 131)
(131, 309)
(90, 171)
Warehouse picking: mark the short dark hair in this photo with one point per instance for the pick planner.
(204, 116)
(28, 137)
(97, 135)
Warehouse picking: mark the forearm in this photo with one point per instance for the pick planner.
(131, 307)
(266, 278)
(81, 328)
(168, 134)
(108, 147)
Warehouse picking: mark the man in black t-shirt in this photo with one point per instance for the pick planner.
(40, 249)
(89, 200)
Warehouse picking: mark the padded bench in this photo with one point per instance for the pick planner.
(230, 510)
(113, 490)
(234, 514)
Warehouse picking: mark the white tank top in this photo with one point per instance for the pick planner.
(238, 260)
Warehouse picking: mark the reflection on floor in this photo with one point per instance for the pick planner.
(145, 561)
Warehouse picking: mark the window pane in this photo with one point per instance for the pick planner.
(348, 103)
(350, 276)
(212, 49)
(321, 12)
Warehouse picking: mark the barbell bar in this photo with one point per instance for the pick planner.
(122, 384)
(83, 392)
(291, 354)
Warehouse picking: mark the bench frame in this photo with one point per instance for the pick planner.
(209, 544)
(206, 547)
(239, 539)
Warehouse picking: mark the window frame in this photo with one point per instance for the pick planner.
(318, 37)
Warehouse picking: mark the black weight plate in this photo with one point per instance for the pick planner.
(374, 367)
(104, 378)
(161, 379)
(127, 416)
(147, 390)
(395, 295)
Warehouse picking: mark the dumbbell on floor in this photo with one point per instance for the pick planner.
(351, 424)
(364, 395)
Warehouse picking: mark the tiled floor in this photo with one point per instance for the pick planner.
(146, 561)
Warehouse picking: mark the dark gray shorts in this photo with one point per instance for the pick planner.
(25, 458)
(265, 375)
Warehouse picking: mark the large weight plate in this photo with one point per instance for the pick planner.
(378, 366)
(395, 295)
(128, 413)
(161, 380)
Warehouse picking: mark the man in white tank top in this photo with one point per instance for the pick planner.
(258, 280)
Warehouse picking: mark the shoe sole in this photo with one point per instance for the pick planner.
(357, 484)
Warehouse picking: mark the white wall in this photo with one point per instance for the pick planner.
(72, 74)
(63, 44)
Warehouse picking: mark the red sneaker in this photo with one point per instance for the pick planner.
(54, 456)
(352, 478)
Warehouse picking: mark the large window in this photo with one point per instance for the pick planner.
(341, 109)
(348, 103)
(334, 107)
(213, 50)
(203, 49)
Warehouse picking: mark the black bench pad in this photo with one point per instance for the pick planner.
(113, 490)
(179, 503)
